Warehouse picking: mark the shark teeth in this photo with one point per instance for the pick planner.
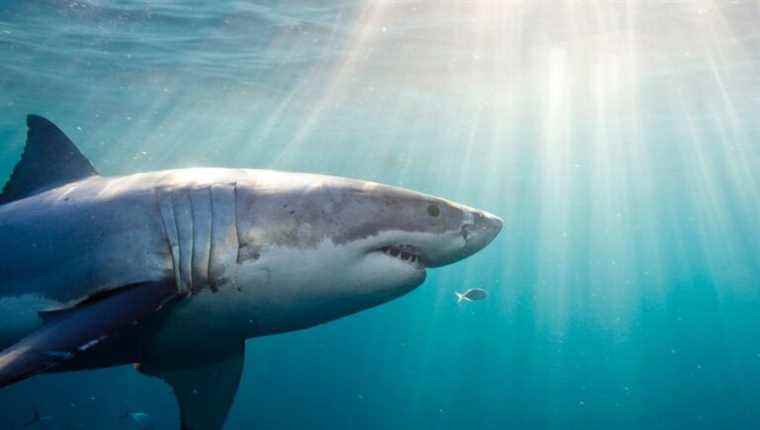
(403, 252)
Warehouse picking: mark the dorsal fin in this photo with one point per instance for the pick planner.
(50, 159)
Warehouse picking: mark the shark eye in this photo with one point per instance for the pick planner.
(433, 210)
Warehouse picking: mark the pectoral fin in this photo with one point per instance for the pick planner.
(205, 392)
(73, 331)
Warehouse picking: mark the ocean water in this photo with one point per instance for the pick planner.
(619, 140)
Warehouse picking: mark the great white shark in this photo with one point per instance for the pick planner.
(173, 270)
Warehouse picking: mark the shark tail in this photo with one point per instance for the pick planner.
(460, 297)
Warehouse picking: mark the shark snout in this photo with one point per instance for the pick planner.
(479, 229)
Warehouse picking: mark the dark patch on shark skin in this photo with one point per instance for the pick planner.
(248, 252)
(433, 210)
(302, 216)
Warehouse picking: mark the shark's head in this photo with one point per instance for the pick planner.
(352, 244)
(398, 233)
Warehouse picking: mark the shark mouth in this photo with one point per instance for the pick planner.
(405, 253)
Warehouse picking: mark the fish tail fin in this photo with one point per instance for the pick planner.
(460, 297)
(35, 418)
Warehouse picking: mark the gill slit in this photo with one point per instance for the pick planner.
(192, 239)
(211, 250)
(171, 233)
(237, 228)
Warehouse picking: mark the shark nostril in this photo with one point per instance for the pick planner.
(466, 232)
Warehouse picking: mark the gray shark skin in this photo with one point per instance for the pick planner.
(173, 270)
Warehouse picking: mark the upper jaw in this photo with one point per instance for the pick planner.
(425, 251)
(407, 253)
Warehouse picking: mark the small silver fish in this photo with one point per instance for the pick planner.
(142, 420)
(472, 295)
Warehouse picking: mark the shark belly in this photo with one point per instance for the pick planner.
(274, 293)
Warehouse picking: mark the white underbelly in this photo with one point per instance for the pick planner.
(284, 290)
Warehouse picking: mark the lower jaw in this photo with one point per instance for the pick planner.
(313, 314)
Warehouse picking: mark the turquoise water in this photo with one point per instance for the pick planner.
(618, 140)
